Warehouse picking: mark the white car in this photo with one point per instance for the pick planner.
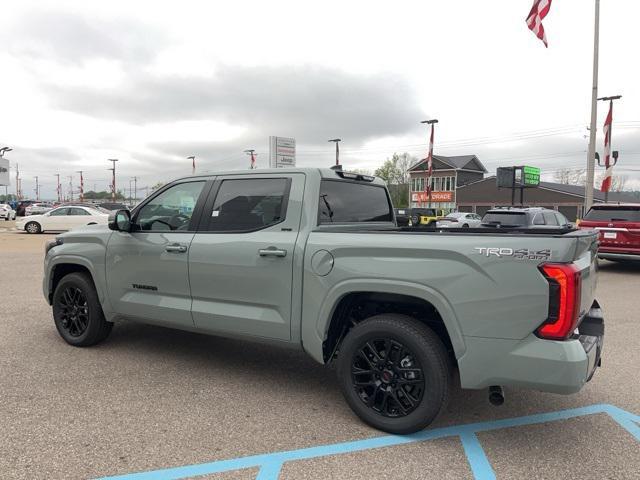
(7, 212)
(460, 220)
(62, 218)
(38, 209)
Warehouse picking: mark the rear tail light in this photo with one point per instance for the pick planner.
(565, 283)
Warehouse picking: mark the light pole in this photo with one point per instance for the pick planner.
(591, 155)
(429, 158)
(37, 190)
(337, 141)
(113, 178)
(193, 164)
(71, 188)
(251, 152)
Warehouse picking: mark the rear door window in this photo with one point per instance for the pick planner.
(247, 205)
(604, 214)
(347, 202)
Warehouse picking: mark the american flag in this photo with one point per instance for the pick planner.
(536, 15)
(606, 182)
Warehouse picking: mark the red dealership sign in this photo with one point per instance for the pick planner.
(435, 197)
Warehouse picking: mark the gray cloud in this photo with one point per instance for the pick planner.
(309, 103)
(66, 37)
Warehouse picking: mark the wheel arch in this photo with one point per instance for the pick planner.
(379, 296)
(65, 266)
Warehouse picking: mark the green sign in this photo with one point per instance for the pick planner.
(531, 176)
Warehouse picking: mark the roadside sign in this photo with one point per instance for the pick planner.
(282, 152)
(531, 176)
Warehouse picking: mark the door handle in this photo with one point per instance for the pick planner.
(272, 252)
(176, 248)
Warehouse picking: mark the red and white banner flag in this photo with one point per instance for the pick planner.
(430, 155)
(253, 160)
(536, 15)
(606, 182)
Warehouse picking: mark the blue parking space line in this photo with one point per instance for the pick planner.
(271, 463)
(270, 471)
(478, 460)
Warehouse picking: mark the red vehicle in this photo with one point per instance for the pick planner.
(619, 227)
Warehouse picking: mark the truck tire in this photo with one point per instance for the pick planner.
(394, 373)
(77, 312)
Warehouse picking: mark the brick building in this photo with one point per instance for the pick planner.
(449, 174)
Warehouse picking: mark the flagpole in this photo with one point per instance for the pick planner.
(591, 155)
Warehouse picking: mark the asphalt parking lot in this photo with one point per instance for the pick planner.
(150, 399)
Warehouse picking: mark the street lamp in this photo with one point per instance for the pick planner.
(337, 141)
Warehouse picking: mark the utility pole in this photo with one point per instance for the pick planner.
(71, 188)
(81, 186)
(17, 183)
(113, 178)
(135, 190)
(193, 164)
(337, 141)
(591, 155)
(57, 175)
(37, 190)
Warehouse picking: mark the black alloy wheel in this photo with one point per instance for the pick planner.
(77, 312)
(74, 314)
(387, 377)
(394, 372)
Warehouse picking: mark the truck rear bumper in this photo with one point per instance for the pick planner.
(546, 365)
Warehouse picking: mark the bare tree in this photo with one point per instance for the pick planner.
(570, 176)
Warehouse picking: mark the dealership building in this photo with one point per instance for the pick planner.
(448, 174)
(459, 183)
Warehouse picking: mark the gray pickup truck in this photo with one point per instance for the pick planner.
(312, 258)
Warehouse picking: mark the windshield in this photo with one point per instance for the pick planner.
(511, 219)
(606, 214)
(453, 216)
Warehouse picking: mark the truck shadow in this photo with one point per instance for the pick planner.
(212, 359)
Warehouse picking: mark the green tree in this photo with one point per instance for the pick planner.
(395, 172)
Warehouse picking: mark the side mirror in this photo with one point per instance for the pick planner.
(120, 221)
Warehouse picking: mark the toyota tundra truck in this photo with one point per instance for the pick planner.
(312, 259)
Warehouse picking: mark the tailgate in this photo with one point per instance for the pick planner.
(586, 259)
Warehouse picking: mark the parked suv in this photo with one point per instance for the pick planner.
(426, 216)
(525, 217)
(619, 230)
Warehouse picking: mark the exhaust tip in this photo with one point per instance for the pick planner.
(496, 395)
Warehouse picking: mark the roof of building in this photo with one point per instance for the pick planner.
(458, 162)
(575, 190)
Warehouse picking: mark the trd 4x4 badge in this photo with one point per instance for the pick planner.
(519, 253)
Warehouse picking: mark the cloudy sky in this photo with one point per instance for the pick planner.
(151, 83)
